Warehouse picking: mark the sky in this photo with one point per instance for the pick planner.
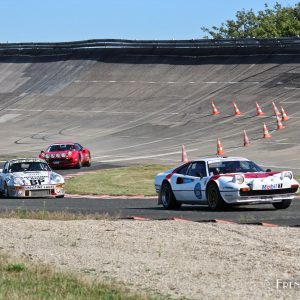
(70, 20)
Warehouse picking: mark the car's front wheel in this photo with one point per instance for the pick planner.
(214, 198)
(167, 197)
(5, 193)
(283, 204)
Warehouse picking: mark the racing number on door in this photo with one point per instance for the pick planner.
(36, 181)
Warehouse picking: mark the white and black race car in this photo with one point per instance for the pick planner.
(223, 181)
(30, 177)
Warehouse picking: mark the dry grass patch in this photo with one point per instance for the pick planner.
(48, 215)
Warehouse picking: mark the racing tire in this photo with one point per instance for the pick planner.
(214, 198)
(60, 196)
(283, 204)
(79, 164)
(167, 197)
(5, 193)
(89, 162)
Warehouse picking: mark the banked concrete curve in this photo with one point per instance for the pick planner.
(141, 107)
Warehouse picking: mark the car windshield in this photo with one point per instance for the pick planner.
(60, 147)
(28, 166)
(236, 166)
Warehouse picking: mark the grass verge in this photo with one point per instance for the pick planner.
(137, 180)
(20, 279)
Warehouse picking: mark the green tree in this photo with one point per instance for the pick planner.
(273, 22)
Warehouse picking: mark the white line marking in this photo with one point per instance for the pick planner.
(8, 117)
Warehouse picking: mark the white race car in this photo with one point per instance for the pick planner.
(30, 177)
(223, 181)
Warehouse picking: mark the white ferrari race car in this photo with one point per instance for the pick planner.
(223, 181)
(30, 177)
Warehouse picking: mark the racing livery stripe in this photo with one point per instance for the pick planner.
(246, 175)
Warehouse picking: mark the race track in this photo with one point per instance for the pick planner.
(141, 108)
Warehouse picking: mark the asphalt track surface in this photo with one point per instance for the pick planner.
(131, 108)
(148, 209)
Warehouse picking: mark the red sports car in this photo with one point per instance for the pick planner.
(66, 154)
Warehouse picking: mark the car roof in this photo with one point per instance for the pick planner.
(220, 158)
(20, 160)
(63, 143)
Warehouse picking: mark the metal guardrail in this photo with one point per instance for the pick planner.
(288, 42)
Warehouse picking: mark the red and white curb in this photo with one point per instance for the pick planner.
(219, 221)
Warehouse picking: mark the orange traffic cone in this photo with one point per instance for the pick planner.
(276, 111)
(246, 139)
(220, 150)
(214, 109)
(284, 115)
(236, 110)
(266, 132)
(279, 124)
(259, 112)
(184, 157)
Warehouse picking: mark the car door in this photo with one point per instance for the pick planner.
(190, 186)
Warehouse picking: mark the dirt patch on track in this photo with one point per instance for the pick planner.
(181, 259)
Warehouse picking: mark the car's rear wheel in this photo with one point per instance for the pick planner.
(283, 204)
(60, 196)
(167, 197)
(79, 164)
(214, 198)
(89, 161)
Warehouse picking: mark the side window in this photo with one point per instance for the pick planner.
(183, 169)
(78, 147)
(5, 168)
(197, 168)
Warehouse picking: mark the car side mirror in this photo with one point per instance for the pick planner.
(268, 170)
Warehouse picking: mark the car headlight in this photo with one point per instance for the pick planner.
(239, 178)
(70, 153)
(47, 155)
(18, 181)
(57, 155)
(63, 155)
(52, 155)
(56, 178)
(287, 174)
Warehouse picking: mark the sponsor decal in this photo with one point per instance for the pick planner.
(274, 186)
(197, 191)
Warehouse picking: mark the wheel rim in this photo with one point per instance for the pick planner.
(212, 198)
(165, 197)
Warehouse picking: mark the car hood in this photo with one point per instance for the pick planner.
(41, 177)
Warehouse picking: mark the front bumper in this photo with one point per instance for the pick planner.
(47, 190)
(256, 198)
